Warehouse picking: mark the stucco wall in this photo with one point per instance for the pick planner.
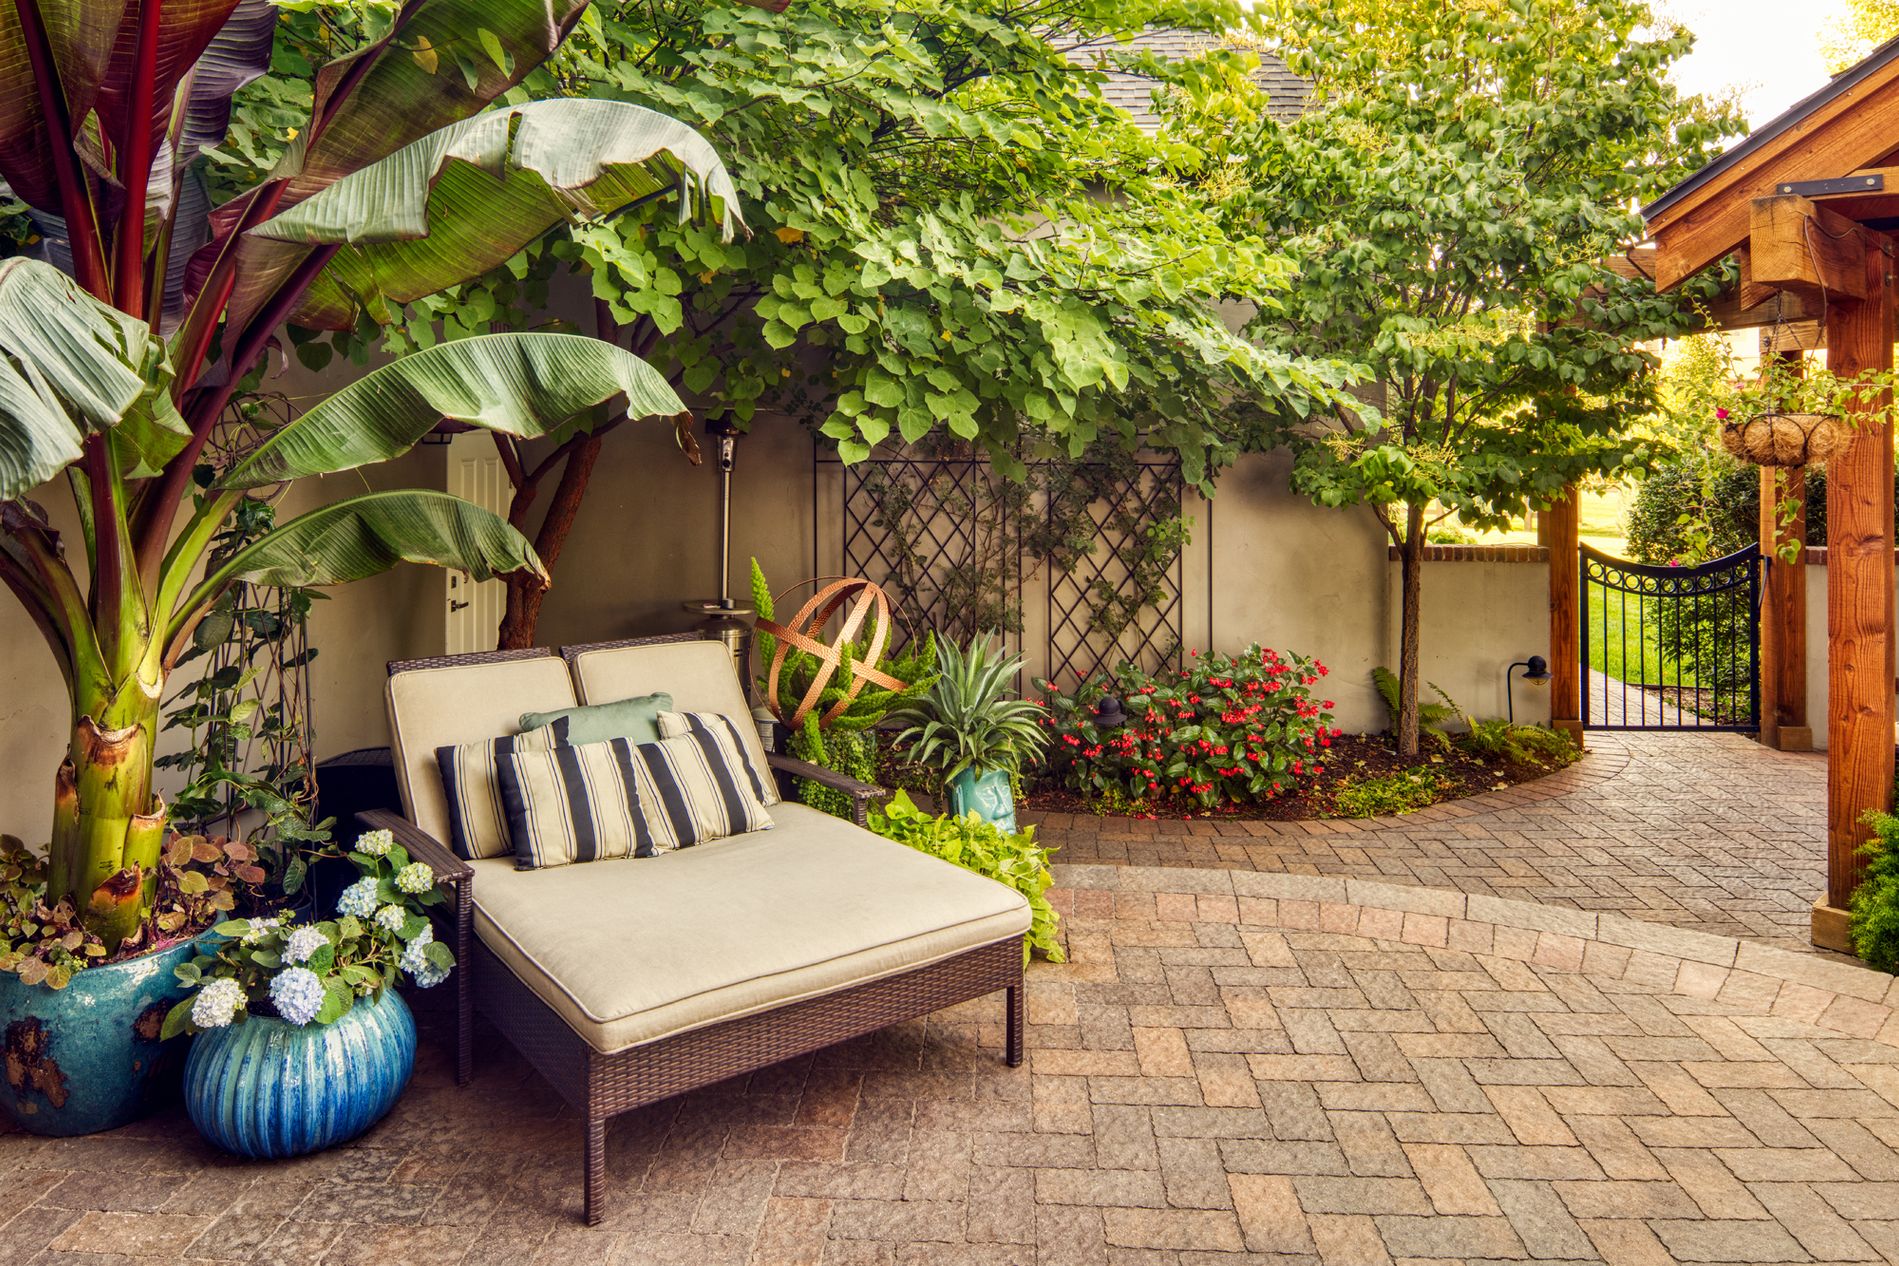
(1264, 565)
(1816, 651)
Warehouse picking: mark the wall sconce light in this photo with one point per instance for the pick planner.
(1536, 671)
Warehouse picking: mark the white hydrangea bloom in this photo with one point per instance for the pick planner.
(261, 928)
(358, 899)
(375, 843)
(217, 1003)
(303, 942)
(391, 918)
(297, 994)
(416, 877)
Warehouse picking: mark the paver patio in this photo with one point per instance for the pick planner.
(1712, 832)
(1235, 1067)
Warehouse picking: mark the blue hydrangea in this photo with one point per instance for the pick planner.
(391, 918)
(430, 976)
(416, 877)
(375, 843)
(303, 942)
(297, 994)
(217, 1003)
(358, 899)
(413, 958)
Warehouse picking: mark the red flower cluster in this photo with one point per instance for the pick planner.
(1223, 730)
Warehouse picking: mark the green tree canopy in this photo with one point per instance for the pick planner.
(954, 235)
(1450, 200)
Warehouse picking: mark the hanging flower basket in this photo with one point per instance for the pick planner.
(1785, 439)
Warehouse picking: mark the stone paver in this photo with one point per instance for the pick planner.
(1711, 832)
(1232, 1068)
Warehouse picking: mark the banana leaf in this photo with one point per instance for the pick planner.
(364, 536)
(443, 61)
(465, 199)
(524, 385)
(82, 35)
(71, 366)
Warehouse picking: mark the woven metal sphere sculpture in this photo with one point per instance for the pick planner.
(867, 602)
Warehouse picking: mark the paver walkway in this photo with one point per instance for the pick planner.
(1612, 701)
(1235, 1069)
(1712, 832)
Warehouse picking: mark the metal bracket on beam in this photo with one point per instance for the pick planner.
(1872, 183)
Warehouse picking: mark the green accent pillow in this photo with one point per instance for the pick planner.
(636, 719)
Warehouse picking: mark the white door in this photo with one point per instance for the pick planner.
(474, 610)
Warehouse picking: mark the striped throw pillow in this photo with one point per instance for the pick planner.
(621, 799)
(477, 824)
(681, 724)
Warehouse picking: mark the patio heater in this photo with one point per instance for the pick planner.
(724, 618)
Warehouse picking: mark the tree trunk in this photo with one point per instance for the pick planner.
(108, 826)
(1411, 577)
(522, 615)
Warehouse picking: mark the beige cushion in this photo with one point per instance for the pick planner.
(635, 950)
(697, 674)
(462, 703)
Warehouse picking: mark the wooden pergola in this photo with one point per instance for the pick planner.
(1808, 206)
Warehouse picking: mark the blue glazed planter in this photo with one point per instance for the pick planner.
(989, 794)
(87, 1057)
(267, 1089)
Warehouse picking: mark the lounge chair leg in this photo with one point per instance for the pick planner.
(596, 1169)
(1012, 1048)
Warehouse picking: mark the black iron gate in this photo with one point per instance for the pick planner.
(1671, 648)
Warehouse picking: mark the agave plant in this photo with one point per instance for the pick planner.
(121, 351)
(969, 719)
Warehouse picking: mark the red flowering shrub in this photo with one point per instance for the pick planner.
(1222, 730)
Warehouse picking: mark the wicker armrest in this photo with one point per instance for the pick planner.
(420, 845)
(863, 794)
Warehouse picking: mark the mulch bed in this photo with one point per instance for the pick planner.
(1353, 756)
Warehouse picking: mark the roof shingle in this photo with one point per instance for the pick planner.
(1286, 91)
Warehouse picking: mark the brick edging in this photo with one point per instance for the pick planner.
(1478, 553)
(1845, 998)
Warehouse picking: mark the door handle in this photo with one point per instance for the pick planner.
(456, 605)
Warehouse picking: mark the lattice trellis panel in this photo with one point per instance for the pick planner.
(961, 549)
(941, 535)
(1121, 601)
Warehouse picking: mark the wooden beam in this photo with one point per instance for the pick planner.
(1859, 596)
(1796, 244)
(1560, 527)
(1851, 131)
(1783, 716)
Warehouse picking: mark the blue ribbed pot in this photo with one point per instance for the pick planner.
(990, 795)
(87, 1057)
(267, 1089)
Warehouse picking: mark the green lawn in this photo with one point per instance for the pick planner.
(1629, 649)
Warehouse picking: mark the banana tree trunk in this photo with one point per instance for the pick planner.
(108, 825)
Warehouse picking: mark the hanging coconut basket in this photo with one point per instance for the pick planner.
(1785, 439)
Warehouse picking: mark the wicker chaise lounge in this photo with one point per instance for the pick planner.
(627, 981)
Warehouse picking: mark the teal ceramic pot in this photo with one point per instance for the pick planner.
(989, 794)
(266, 1089)
(87, 1057)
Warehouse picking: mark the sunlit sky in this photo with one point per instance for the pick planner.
(1769, 50)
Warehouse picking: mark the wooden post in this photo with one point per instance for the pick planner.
(1559, 526)
(1859, 600)
(1784, 604)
